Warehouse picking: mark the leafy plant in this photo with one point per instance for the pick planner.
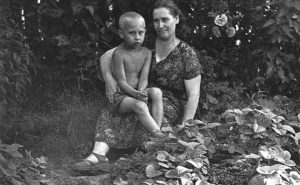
(182, 157)
(177, 159)
(218, 97)
(217, 94)
(15, 65)
(17, 169)
(247, 129)
(279, 24)
(72, 36)
(274, 167)
(15, 58)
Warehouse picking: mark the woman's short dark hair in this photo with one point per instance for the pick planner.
(170, 5)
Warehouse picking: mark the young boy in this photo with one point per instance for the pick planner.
(130, 66)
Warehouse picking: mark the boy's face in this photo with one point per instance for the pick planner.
(133, 32)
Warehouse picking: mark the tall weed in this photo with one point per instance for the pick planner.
(60, 130)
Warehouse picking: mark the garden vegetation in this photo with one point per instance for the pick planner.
(51, 91)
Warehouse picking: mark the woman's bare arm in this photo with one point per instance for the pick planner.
(193, 93)
(111, 85)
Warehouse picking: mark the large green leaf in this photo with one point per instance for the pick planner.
(8, 171)
(288, 128)
(164, 156)
(210, 125)
(296, 137)
(152, 170)
(186, 179)
(13, 150)
(287, 31)
(269, 23)
(54, 13)
(197, 162)
(271, 180)
(294, 177)
(120, 181)
(188, 144)
(178, 172)
(268, 170)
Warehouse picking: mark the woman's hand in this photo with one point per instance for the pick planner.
(111, 87)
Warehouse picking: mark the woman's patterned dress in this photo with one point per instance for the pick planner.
(124, 131)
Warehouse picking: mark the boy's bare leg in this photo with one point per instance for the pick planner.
(140, 108)
(155, 95)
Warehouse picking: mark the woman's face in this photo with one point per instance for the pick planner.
(164, 23)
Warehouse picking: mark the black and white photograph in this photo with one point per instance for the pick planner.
(149, 92)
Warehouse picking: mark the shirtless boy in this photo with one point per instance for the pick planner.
(130, 66)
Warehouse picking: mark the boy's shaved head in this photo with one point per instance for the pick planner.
(127, 16)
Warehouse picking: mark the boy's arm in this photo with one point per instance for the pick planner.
(143, 81)
(119, 72)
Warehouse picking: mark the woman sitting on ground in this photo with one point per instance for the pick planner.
(175, 69)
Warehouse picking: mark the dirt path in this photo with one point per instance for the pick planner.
(59, 173)
(58, 170)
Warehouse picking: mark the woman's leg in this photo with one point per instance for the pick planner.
(155, 95)
(100, 148)
(96, 161)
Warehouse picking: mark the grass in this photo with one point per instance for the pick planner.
(55, 125)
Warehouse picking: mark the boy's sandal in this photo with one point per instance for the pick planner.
(87, 166)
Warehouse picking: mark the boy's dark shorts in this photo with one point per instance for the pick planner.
(119, 96)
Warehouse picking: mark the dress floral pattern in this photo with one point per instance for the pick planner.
(124, 131)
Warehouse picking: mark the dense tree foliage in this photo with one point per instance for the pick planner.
(14, 57)
(251, 46)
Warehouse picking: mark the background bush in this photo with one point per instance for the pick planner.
(68, 36)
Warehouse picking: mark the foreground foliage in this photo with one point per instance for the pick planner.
(17, 169)
(252, 141)
(274, 166)
(245, 143)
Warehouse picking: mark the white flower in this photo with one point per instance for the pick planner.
(230, 31)
(216, 31)
(221, 20)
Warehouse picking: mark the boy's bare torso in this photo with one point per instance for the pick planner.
(133, 61)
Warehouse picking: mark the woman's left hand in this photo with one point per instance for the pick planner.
(110, 88)
(111, 85)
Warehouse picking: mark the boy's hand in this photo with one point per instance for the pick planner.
(142, 95)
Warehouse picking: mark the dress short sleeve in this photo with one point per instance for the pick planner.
(192, 64)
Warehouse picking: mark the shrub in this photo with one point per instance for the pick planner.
(15, 58)
(15, 168)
